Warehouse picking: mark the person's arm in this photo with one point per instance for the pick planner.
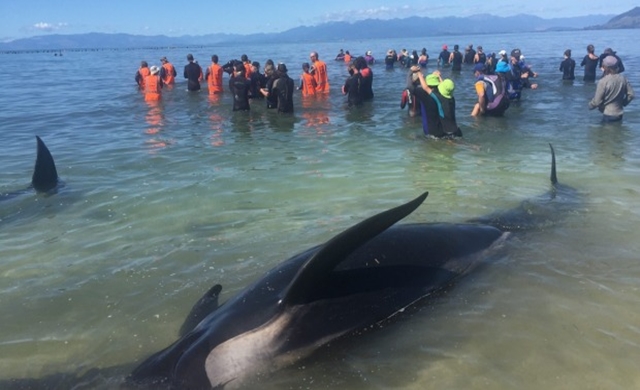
(630, 94)
(598, 98)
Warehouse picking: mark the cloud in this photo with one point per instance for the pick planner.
(48, 27)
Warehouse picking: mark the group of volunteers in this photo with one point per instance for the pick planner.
(499, 80)
(246, 81)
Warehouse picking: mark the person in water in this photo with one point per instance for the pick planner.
(423, 59)
(239, 86)
(307, 82)
(141, 73)
(319, 72)
(455, 59)
(613, 92)
(447, 126)
(480, 57)
(369, 58)
(153, 85)
(213, 75)
(366, 88)
(590, 64)
(443, 57)
(567, 66)
(469, 55)
(429, 104)
(258, 80)
(609, 52)
(193, 74)
(340, 55)
(352, 87)
(283, 88)
(167, 72)
(491, 91)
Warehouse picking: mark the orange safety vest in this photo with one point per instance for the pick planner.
(169, 70)
(215, 79)
(320, 74)
(144, 72)
(152, 88)
(308, 84)
(347, 58)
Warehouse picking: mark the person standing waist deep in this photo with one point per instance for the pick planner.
(193, 74)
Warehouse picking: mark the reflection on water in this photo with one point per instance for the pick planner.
(164, 200)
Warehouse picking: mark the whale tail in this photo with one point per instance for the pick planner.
(45, 174)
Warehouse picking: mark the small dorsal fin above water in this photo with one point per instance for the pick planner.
(45, 174)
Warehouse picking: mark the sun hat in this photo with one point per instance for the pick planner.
(154, 69)
(503, 53)
(432, 80)
(445, 47)
(368, 52)
(446, 88)
(282, 68)
(609, 62)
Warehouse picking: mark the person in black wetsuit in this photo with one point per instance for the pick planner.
(568, 66)
(455, 59)
(193, 73)
(258, 81)
(282, 89)
(352, 87)
(366, 88)
(590, 63)
(239, 86)
(609, 52)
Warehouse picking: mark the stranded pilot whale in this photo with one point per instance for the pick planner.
(361, 277)
(45, 175)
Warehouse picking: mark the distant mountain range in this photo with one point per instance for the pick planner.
(334, 31)
(629, 19)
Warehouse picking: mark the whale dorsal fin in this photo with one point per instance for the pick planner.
(334, 251)
(45, 175)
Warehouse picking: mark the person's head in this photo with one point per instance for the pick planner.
(164, 60)
(456, 47)
(610, 65)
(445, 47)
(305, 67)
(609, 51)
(591, 49)
(478, 69)
(503, 54)
(282, 68)
(269, 69)
(516, 53)
(214, 58)
(154, 70)
(424, 51)
(360, 63)
(347, 52)
(314, 56)
(143, 64)
(567, 53)
(244, 58)
(480, 49)
(190, 57)
(352, 69)
(446, 88)
(255, 67)
(369, 53)
(238, 69)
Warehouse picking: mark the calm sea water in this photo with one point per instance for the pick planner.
(162, 202)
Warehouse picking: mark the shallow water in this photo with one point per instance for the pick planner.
(162, 202)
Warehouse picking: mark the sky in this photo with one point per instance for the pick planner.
(26, 18)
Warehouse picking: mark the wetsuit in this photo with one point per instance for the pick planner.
(389, 60)
(443, 58)
(567, 68)
(239, 87)
(193, 73)
(456, 61)
(440, 112)
(590, 67)
(468, 56)
(283, 88)
(366, 88)
(352, 87)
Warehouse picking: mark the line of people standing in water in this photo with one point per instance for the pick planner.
(499, 80)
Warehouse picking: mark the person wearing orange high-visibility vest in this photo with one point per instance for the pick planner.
(142, 72)
(167, 72)
(153, 85)
(213, 75)
(319, 72)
